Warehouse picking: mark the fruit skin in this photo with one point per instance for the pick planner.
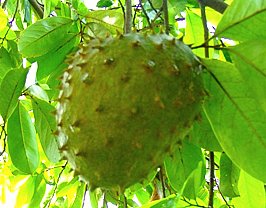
(125, 103)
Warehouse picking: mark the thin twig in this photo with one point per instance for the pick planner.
(190, 204)
(56, 184)
(123, 9)
(205, 27)
(166, 17)
(4, 140)
(38, 9)
(212, 180)
(125, 201)
(222, 194)
(84, 195)
(162, 181)
(211, 153)
(145, 13)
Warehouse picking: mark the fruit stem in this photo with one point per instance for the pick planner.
(128, 17)
(166, 17)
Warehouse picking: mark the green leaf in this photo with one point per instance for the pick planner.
(180, 166)
(250, 60)
(252, 192)
(50, 62)
(95, 196)
(194, 34)
(6, 63)
(238, 122)
(39, 191)
(112, 20)
(10, 91)
(14, 54)
(22, 144)
(104, 3)
(203, 136)
(195, 181)
(45, 124)
(44, 36)
(229, 175)
(49, 6)
(26, 191)
(79, 196)
(243, 20)
(37, 91)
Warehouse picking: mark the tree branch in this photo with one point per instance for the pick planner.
(217, 5)
(166, 17)
(128, 19)
(212, 180)
(37, 8)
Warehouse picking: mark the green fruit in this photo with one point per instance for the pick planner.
(125, 103)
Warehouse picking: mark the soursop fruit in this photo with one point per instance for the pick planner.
(125, 103)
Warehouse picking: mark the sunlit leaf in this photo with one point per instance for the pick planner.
(39, 191)
(44, 36)
(45, 126)
(238, 122)
(243, 20)
(10, 90)
(50, 62)
(250, 60)
(38, 92)
(26, 191)
(194, 34)
(252, 192)
(79, 196)
(112, 20)
(22, 144)
(3, 19)
(229, 175)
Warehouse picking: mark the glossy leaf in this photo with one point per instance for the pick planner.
(238, 122)
(243, 20)
(229, 176)
(44, 36)
(250, 60)
(10, 90)
(45, 124)
(22, 144)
